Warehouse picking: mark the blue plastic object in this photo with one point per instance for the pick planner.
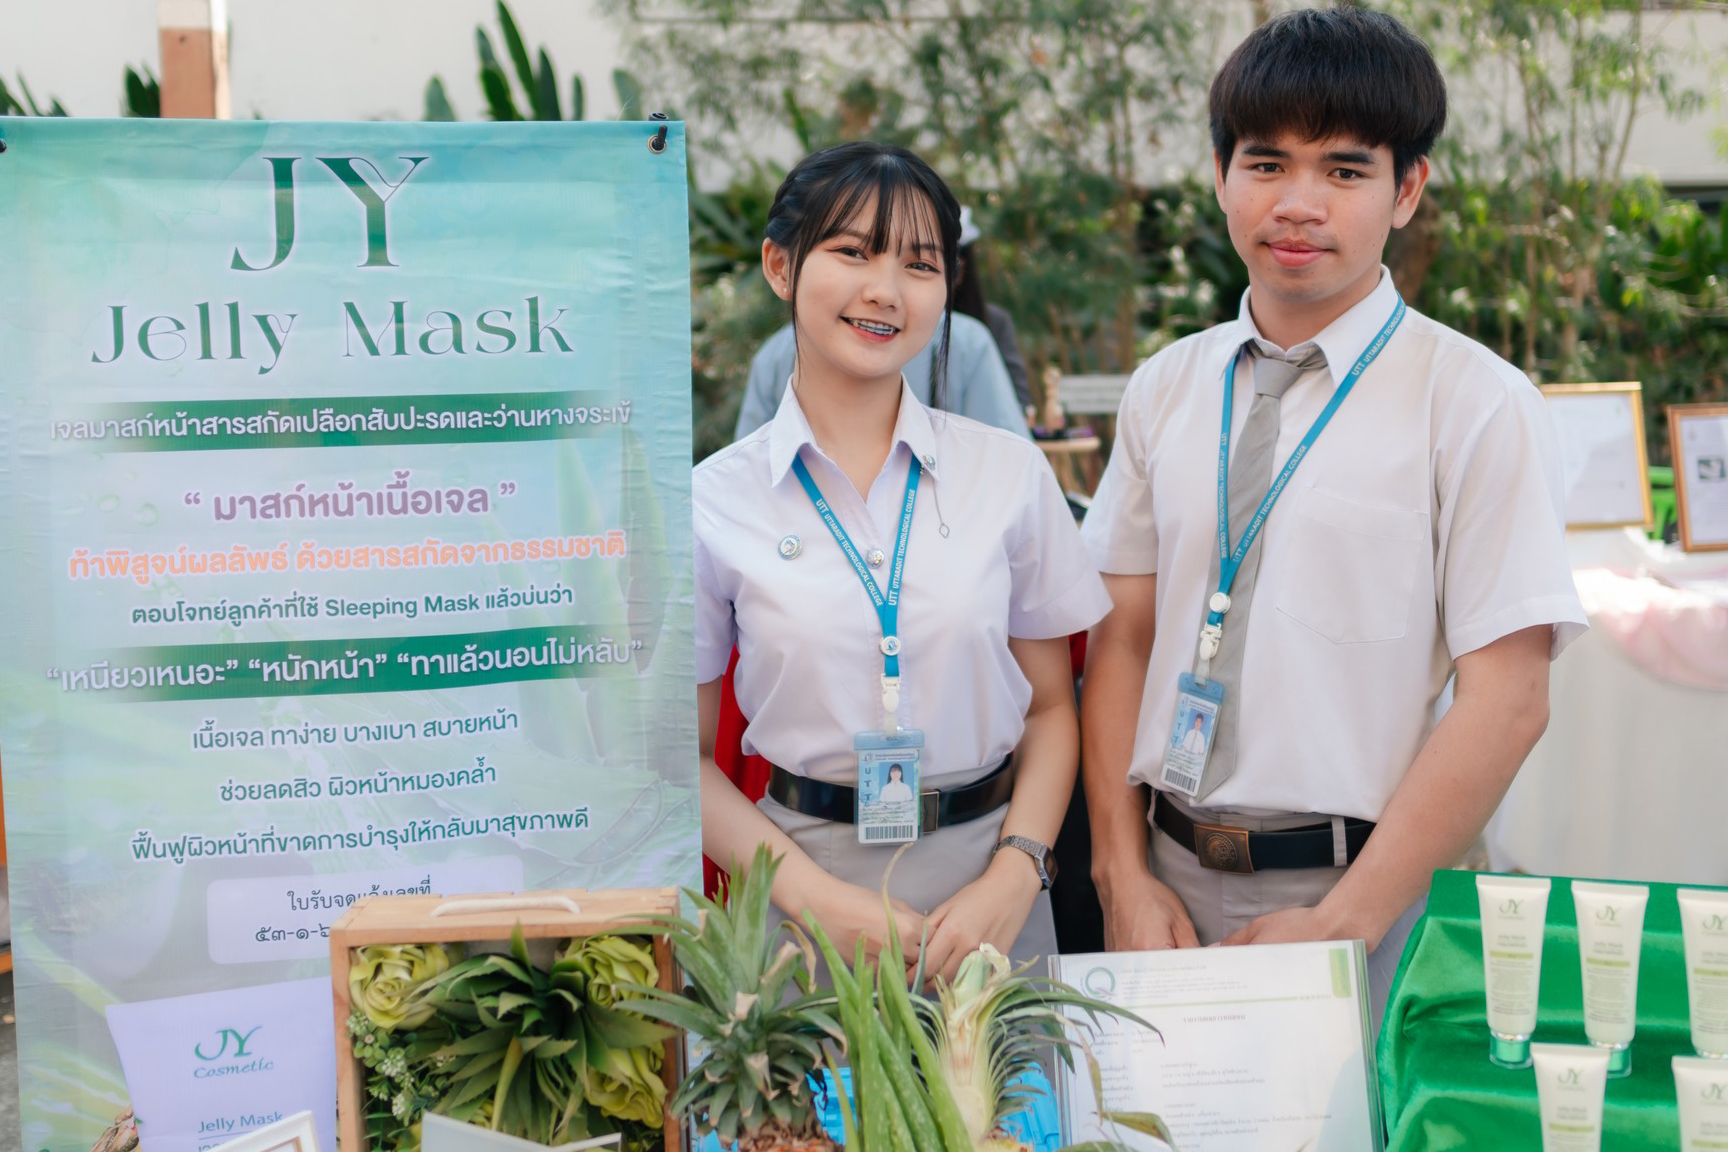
(1036, 1125)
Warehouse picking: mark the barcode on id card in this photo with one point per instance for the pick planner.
(890, 832)
(1181, 780)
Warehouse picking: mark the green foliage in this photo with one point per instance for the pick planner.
(938, 1077)
(1548, 253)
(143, 94)
(1040, 113)
(526, 1039)
(24, 104)
(528, 88)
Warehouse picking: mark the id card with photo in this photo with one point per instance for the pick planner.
(1191, 732)
(888, 786)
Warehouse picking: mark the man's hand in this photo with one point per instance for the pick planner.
(1294, 925)
(1142, 914)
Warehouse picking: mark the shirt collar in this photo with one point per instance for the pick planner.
(790, 431)
(1343, 340)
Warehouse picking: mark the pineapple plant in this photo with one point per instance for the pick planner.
(749, 1001)
(941, 1077)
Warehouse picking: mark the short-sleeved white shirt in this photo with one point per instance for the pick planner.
(809, 662)
(1425, 523)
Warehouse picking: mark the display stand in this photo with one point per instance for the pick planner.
(1434, 1070)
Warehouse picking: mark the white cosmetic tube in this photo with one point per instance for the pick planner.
(1610, 939)
(1704, 919)
(1570, 1081)
(1701, 1086)
(1514, 910)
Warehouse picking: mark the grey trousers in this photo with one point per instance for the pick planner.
(1219, 903)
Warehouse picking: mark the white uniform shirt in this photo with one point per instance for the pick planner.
(1426, 522)
(809, 664)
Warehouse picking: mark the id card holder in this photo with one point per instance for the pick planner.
(1191, 732)
(888, 786)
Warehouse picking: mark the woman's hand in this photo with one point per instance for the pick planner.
(992, 909)
(848, 912)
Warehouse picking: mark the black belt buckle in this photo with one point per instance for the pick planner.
(929, 811)
(1223, 848)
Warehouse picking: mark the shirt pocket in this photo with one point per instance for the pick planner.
(1350, 569)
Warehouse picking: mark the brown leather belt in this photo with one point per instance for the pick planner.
(1226, 849)
(839, 802)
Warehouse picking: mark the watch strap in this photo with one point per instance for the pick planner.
(1043, 859)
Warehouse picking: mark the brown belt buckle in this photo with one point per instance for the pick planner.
(929, 811)
(1223, 849)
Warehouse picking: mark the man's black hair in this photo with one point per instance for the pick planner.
(1342, 71)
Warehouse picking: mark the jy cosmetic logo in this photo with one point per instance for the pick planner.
(1511, 907)
(344, 169)
(1715, 1093)
(1715, 923)
(1607, 914)
(1568, 1078)
(226, 1038)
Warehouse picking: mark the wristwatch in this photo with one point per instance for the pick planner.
(1043, 858)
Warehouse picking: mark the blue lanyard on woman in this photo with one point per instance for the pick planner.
(887, 606)
(1229, 561)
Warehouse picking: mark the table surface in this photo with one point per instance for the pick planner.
(1437, 1085)
(1631, 778)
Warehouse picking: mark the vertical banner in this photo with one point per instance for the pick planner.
(344, 522)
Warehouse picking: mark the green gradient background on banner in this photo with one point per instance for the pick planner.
(539, 557)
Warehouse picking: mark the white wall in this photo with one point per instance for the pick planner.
(307, 59)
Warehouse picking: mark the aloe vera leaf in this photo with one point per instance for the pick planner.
(897, 1057)
(848, 1121)
(943, 1107)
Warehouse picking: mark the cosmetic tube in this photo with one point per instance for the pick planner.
(1514, 910)
(1701, 1087)
(1610, 935)
(1704, 920)
(1570, 1081)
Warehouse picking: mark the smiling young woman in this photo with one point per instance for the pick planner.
(899, 583)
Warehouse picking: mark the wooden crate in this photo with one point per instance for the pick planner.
(491, 918)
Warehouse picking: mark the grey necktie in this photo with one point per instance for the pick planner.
(1250, 477)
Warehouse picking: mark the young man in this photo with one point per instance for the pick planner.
(1419, 535)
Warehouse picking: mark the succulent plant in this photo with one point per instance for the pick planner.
(748, 1000)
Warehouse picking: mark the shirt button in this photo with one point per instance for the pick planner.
(876, 557)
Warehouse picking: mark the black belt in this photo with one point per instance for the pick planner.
(839, 802)
(1226, 849)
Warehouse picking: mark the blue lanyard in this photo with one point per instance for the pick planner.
(887, 606)
(1229, 561)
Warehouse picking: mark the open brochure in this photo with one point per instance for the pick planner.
(1259, 1047)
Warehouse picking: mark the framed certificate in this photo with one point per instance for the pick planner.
(1253, 1047)
(1600, 428)
(295, 1133)
(1698, 437)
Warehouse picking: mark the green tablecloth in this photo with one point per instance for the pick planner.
(1439, 1089)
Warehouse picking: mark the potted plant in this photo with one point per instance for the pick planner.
(926, 1076)
(525, 1040)
(748, 1000)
